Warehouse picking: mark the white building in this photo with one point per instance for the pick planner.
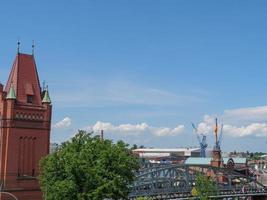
(175, 155)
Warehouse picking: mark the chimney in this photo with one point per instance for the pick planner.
(102, 135)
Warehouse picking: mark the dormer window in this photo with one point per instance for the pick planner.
(29, 92)
(29, 98)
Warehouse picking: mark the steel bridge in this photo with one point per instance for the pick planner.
(177, 182)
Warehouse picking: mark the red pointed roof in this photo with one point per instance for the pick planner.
(25, 80)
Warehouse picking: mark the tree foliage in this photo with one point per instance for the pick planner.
(87, 168)
(144, 198)
(256, 156)
(204, 187)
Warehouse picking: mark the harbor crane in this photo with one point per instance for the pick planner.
(202, 140)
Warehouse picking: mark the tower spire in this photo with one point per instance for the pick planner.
(46, 98)
(18, 46)
(11, 94)
(33, 45)
(43, 89)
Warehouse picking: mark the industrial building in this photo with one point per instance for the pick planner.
(176, 155)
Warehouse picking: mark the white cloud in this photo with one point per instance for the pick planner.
(256, 111)
(135, 129)
(167, 131)
(256, 129)
(64, 123)
(240, 122)
(206, 126)
(251, 114)
(131, 129)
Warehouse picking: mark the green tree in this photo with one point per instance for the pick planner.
(204, 187)
(87, 168)
(134, 147)
(144, 198)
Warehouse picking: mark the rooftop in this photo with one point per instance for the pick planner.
(206, 161)
(152, 150)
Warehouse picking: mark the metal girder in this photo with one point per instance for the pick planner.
(177, 181)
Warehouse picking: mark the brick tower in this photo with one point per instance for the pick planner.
(25, 121)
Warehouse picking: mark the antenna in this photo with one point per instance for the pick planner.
(43, 85)
(33, 45)
(18, 45)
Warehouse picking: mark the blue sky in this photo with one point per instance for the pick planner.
(143, 70)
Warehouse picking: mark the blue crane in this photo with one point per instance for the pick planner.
(202, 141)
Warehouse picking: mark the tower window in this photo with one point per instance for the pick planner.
(29, 98)
(26, 157)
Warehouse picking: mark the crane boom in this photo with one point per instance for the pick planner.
(195, 129)
(202, 141)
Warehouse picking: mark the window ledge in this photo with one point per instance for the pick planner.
(26, 178)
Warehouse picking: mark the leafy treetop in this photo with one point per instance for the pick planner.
(87, 168)
(204, 187)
